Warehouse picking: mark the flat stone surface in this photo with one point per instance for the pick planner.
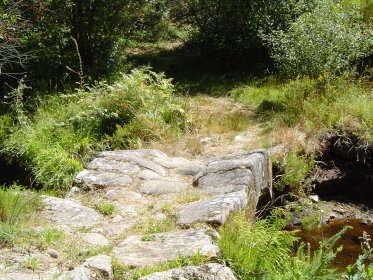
(148, 175)
(27, 276)
(95, 268)
(162, 187)
(213, 211)
(245, 171)
(135, 251)
(189, 170)
(171, 162)
(101, 179)
(119, 193)
(69, 213)
(95, 239)
(138, 158)
(211, 271)
(137, 153)
(79, 273)
(112, 165)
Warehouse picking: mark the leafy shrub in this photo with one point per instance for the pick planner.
(264, 250)
(326, 41)
(54, 141)
(232, 30)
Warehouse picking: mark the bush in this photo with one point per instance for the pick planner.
(326, 41)
(232, 30)
(54, 141)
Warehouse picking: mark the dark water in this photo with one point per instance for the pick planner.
(350, 240)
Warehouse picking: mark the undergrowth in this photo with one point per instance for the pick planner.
(264, 250)
(16, 207)
(54, 141)
(313, 105)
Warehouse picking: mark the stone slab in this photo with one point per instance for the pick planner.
(156, 187)
(101, 179)
(214, 211)
(69, 213)
(211, 271)
(149, 250)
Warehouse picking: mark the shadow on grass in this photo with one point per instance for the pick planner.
(192, 73)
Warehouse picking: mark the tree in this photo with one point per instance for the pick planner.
(326, 41)
(13, 57)
(233, 30)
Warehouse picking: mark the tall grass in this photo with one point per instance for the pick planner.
(55, 139)
(312, 104)
(15, 207)
(263, 250)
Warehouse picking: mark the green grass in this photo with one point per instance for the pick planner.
(311, 104)
(296, 170)
(16, 207)
(152, 226)
(32, 263)
(263, 250)
(56, 137)
(106, 208)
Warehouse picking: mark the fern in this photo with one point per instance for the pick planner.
(263, 250)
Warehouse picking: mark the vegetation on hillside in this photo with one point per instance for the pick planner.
(297, 64)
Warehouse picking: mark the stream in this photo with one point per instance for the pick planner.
(350, 240)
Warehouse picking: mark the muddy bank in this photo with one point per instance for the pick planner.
(345, 172)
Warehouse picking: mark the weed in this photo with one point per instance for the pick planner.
(360, 270)
(148, 238)
(152, 226)
(310, 221)
(94, 251)
(188, 198)
(166, 207)
(15, 207)
(48, 237)
(32, 263)
(296, 170)
(106, 208)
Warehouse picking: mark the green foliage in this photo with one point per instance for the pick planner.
(96, 26)
(263, 250)
(6, 122)
(152, 226)
(106, 208)
(296, 170)
(47, 237)
(15, 206)
(326, 41)
(308, 103)
(54, 141)
(32, 263)
(233, 29)
(363, 268)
